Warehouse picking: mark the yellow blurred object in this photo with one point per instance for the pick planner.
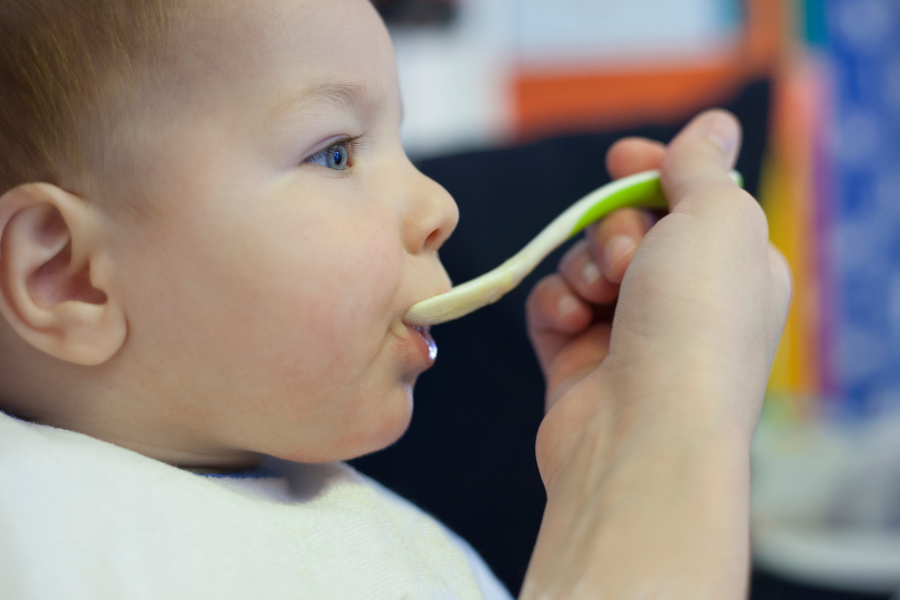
(787, 194)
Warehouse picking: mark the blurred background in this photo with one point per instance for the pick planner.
(512, 104)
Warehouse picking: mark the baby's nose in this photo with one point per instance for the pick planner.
(432, 214)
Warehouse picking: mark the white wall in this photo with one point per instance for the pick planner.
(455, 82)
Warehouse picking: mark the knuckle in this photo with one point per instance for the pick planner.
(622, 220)
(742, 213)
(531, 303)
(545, 448)
(781, 271)
(754, 215)
(540, 291)
(568, 259)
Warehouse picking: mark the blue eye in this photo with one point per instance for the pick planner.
(333, 157)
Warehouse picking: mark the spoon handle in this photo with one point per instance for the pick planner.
(642, 190)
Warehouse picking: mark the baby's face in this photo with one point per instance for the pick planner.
(290, 233)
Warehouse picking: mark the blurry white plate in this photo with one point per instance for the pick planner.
(848, 560)
(826, 500)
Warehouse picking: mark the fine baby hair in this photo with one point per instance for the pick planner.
(70, 74)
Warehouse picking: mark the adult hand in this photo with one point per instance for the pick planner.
(645, 449)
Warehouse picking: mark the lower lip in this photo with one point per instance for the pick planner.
(422, 336)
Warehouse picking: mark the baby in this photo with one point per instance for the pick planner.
(209, 235)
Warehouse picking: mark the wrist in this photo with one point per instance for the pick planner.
(606, 418)
(657, 512)
(612, 447)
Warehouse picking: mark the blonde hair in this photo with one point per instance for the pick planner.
(66, 68)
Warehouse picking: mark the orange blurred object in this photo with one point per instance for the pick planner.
(548, 101)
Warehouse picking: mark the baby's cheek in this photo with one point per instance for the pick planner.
(341, 313)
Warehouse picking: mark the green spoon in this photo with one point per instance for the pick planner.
(640, 190)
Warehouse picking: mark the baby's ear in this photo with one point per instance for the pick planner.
(55, 275)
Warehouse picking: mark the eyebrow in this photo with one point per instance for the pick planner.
(352, 95)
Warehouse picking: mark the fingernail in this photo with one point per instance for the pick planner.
(616, 248)
(723, 133)
(591, 273)
(568, 304)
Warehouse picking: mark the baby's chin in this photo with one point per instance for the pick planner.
(370, 431)
(395, 420)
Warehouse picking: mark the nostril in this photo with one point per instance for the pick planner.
(433, 239)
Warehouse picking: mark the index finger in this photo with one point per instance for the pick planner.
(633, 155)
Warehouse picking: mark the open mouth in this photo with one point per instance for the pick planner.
(425, 332)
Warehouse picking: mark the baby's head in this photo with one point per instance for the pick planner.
(209, 231)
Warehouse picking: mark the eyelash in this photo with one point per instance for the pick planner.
(352, 144)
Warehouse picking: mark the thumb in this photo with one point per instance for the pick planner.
(701, 155)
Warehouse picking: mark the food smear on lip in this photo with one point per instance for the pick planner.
(425, 332)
